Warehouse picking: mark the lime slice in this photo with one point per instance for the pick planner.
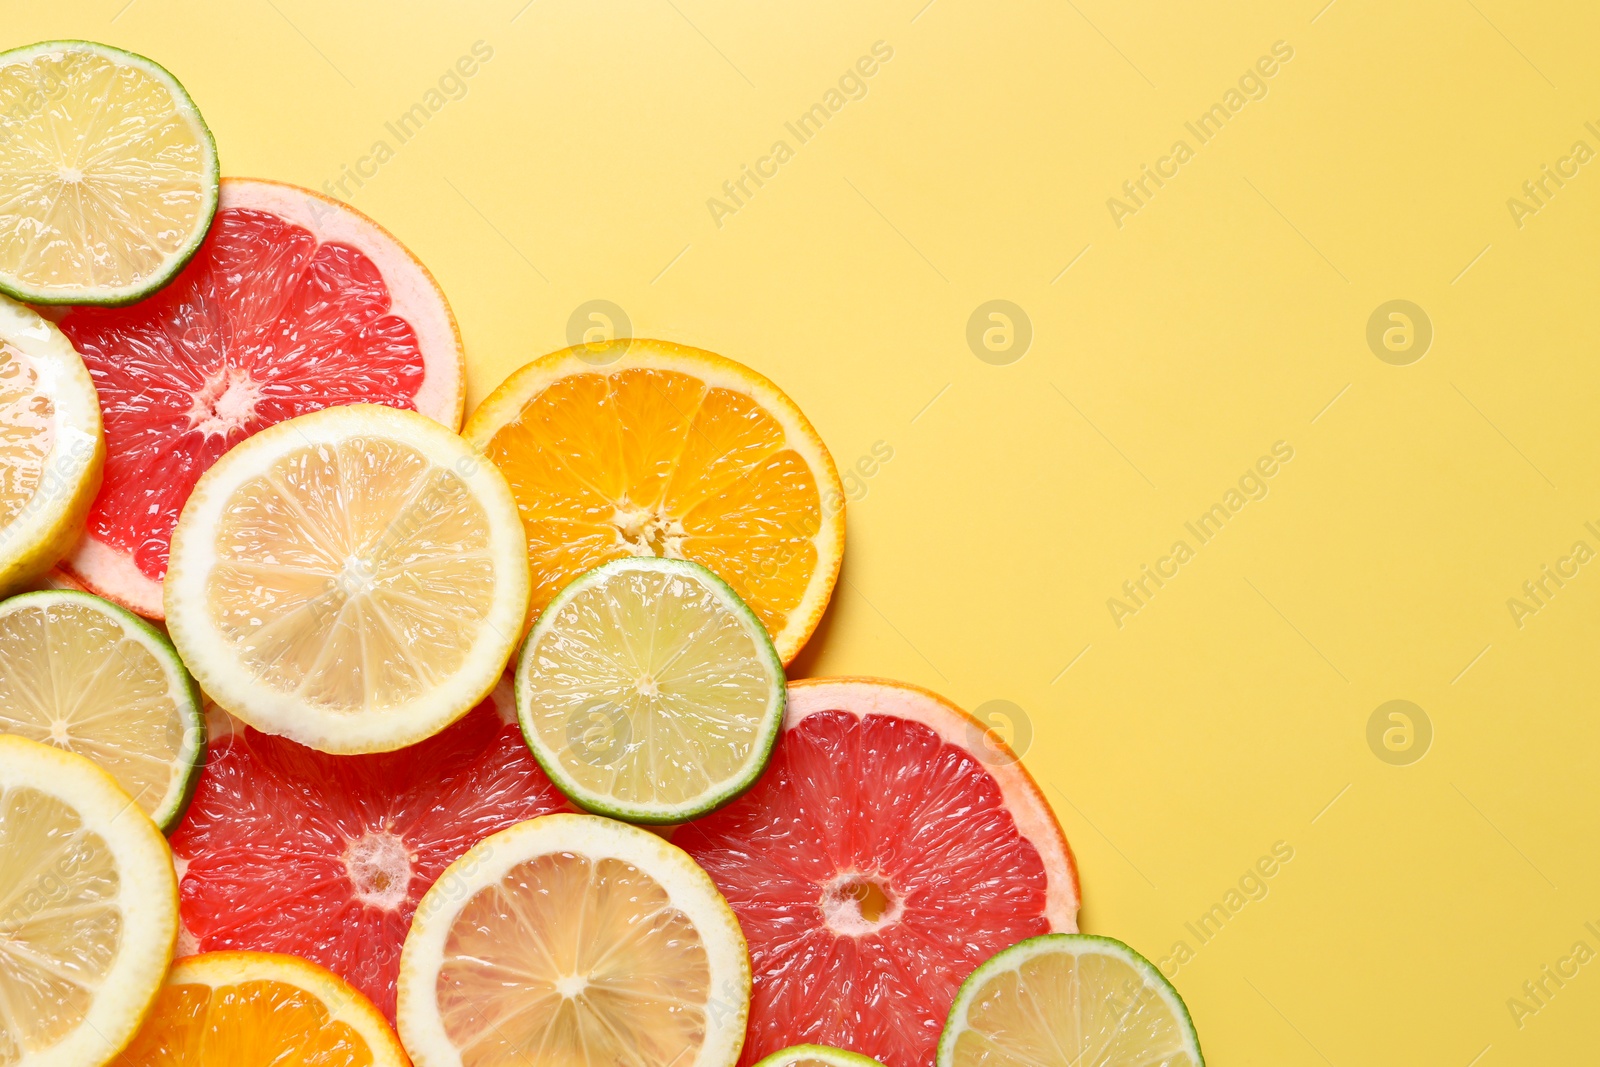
(111, 174)
(648, 691)
(1067, 1000)
(87, 676)
(816, 1056)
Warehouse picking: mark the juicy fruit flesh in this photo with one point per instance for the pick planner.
(584, 962)
(873, 867)
(645, 462)
(264, 324)
(1061, 1010)
(352, 575)
(25, 431)
(72, 677)
(60, 922)
(105, 178)
(251, 1022)
(286, 849)
(649, 689)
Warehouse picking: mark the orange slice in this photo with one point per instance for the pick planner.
(259, 1007)
(645, 448)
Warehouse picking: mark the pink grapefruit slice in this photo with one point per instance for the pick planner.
(293, 303)
(876, 864)
(286, 849)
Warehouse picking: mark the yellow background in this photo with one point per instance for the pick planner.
(1228, 313)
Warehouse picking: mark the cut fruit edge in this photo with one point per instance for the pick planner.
(1024, 800)
(344, 1002)
(50, 521)
(414, 295)
(210, 657)
(147, 896)
(838, 1057)
(717, 794)
(185, 106)
(689, 889)
(505, 404)
(185, 694)
(1017, 955)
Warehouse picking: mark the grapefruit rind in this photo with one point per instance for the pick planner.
(505, 404)
(181, 689)
(835, 1057)
(487, 863)
(52, 518)
(1013, 958)
(717, 794)
(208, 179)
(147, 897)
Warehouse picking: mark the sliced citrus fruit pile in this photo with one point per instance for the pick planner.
(355, 578)
(88, 909)
(649, 692)
(111, 175)
(817, 1056)
(260, 1008)
(87, 676)
(295, 302)
(643, 448)
(286, 849)
(574, 940)
(875, 864)
(50, 445)
(1065, 1000)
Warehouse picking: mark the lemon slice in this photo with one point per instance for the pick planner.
(355, 579)
(88, 910)
(87, 676)
(648, 691)
(574, 940)
(261, 1008)
(816, 1056)
(111, 174)
(1065, 1000)
(51, 447)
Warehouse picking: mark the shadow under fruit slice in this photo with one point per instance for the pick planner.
(891, 847)
(294, 302)
(286, 849)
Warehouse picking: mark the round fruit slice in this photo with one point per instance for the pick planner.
(294, 303)
(1063, 1000)
(88, 909)
(86, 676)
(355, 578)
(649, 692)
(50, 445)
(817, 1056)
(111, 174)
(574, 940)
(259, 1008)
(286, 849)
(876, 863)
(643, 448)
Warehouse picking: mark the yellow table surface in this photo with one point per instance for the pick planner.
(1359, 154)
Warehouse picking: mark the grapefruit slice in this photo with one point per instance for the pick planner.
(644, 448)
(294, 302)
(286, 849)
(878, 862)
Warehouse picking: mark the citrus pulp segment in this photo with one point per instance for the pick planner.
(354, 579)
(876, 863)
(88, 910)
(644, 448)
(575, 940)
(111, 174)
(817, 1056)
(649, 692)
(239, 1008)
(286, 849)
(51, 449)
(89, 677)
(294, 303)
(1062, 1000)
